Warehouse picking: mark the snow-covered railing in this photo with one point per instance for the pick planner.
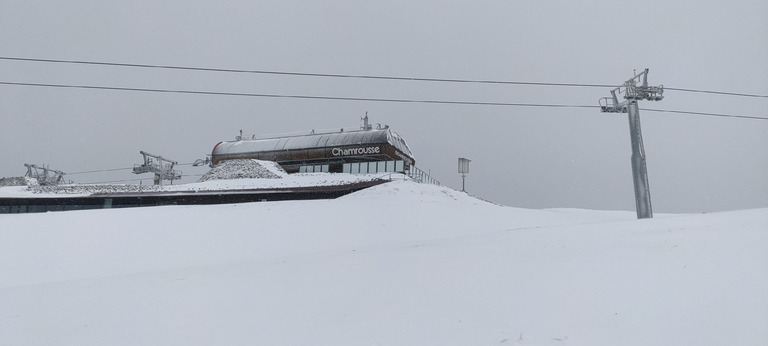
(421, 176)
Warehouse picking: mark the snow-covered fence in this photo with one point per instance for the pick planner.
(421, 176)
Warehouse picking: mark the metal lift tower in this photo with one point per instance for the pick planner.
(633, 93)
(44, 175)
(163, 171)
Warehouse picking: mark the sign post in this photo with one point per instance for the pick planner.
(463, 169)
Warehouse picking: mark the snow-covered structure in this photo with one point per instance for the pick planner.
(342, 151)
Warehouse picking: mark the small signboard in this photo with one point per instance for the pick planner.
(464, 165)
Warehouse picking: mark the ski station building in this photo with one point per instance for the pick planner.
(366, 150)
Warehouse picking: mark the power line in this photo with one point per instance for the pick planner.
(366, 99)
(373, 77)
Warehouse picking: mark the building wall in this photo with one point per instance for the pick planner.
(335, 156)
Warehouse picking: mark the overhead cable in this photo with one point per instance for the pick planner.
(705, 114)
(307, 74)
(101, 170)
(366, 99)
(311, 97)
(716, 92)
(334, 75)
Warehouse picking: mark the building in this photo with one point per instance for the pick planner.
(367, 150)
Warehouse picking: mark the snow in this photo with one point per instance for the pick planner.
(241, 169)
(396, 264)
(13, 181)
(228, 175)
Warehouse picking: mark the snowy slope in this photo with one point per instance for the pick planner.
(396, 264)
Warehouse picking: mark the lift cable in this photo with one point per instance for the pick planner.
(716, 92)
(705, 114)
(101, 170)
(308, 74)
(333, 75)
(129, 180)
(336, 98)
(116, 169)
(115, 181)
(367, 99)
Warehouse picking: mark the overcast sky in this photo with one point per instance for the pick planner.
(521, 156)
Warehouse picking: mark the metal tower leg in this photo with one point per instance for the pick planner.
(639, 169)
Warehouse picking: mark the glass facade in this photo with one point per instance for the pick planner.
(314, 169)
(374, 167)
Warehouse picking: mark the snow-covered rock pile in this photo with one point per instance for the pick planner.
(13, 181)
(93, 189)
(244, 169)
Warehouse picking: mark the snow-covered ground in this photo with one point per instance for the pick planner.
(396, 264)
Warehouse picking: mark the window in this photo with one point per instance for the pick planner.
(36, 208)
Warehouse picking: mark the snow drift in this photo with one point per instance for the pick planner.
(396, 264)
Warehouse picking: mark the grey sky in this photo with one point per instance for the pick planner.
(526, 157)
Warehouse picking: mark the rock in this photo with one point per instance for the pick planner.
(244, 169)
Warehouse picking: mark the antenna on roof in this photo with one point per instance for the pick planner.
(365, 126)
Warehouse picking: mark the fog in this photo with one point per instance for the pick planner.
(534, 157)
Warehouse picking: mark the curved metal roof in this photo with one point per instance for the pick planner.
(323, 140)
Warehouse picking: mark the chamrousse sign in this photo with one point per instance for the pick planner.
(355, 151)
